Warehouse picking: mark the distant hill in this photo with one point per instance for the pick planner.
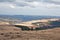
(25, 17)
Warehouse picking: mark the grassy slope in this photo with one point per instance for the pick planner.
(13, 33)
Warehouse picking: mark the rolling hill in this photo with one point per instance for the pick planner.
(26, 17)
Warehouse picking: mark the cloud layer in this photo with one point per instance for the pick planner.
(31, 3)
(7, 0)
(29, 7)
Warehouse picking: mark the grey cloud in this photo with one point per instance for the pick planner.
(51, 1)
(22, 4)
(47, 1)
(7, 0)
(55, 2)
(37, 0)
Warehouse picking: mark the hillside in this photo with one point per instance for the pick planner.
(14, 33)
(11, 32)
(26, 17)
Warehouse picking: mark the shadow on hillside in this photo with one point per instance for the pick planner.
(41, 28)
(49, 27)
(23, 27)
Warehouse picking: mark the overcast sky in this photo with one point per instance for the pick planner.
(30, 7)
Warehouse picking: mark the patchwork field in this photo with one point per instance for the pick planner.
(14, 33)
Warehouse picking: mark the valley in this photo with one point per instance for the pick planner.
(43, 29)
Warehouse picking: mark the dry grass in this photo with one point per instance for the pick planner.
(13, 33)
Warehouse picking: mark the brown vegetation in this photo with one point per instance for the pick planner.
(14, 33)
(10, 32)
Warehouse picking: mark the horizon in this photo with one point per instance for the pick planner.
(31, 15)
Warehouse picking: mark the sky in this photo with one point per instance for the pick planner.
(30, 7)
